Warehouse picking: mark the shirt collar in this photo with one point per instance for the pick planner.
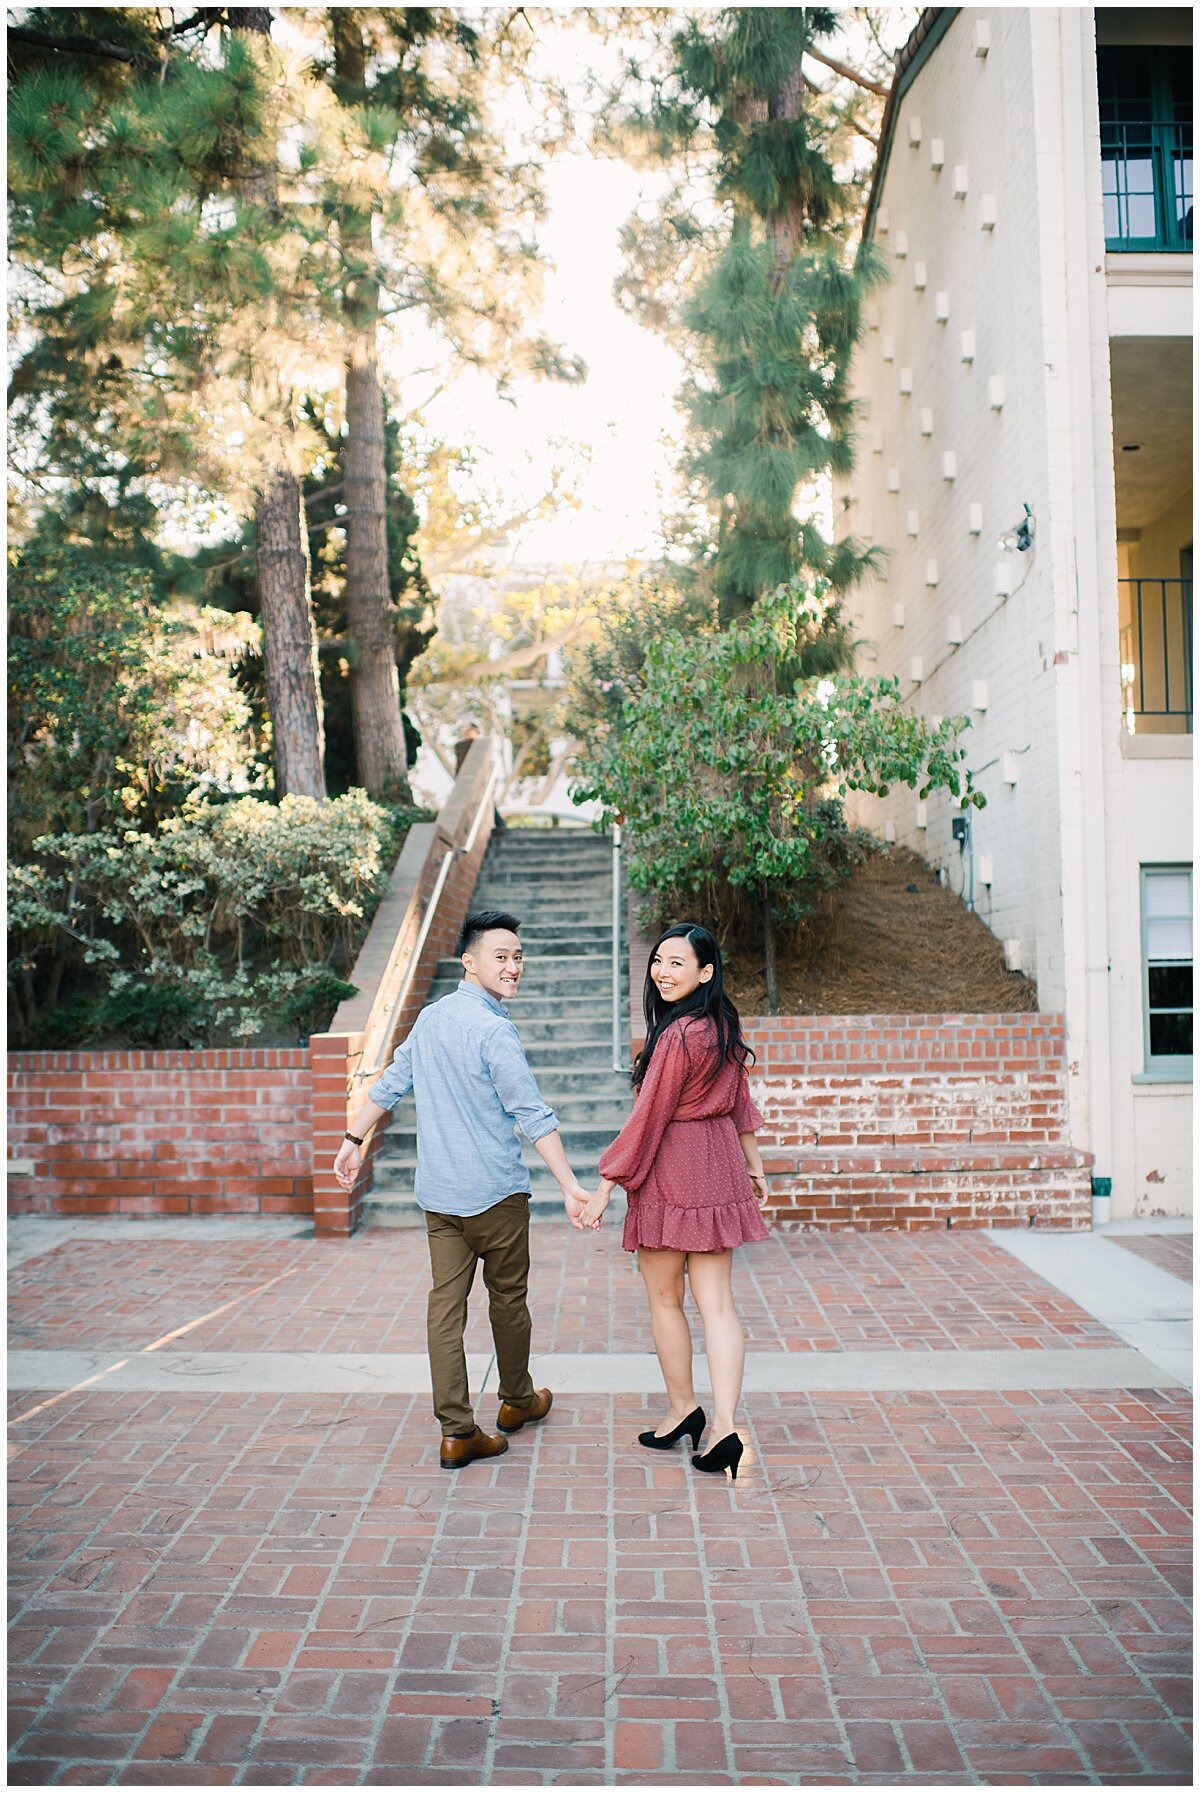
(477, 990)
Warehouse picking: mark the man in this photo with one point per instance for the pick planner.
(467, 1068)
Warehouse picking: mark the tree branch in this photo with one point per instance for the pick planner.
(74, 44)
(207, 15)
(839, 68)
(512, 662)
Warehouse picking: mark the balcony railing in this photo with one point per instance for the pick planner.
(1147, 184)
(1156, 655)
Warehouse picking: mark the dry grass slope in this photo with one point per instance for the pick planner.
(891, 940)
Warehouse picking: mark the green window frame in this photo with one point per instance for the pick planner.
(1167, 909)
(1146, 147)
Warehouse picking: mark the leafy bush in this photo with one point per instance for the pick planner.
(226, 923)
(729, 770)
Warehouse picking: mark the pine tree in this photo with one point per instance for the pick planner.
(452, 242)
(166, 291)
(379, 739)
(774, 315)
(285, 598)
(767, 321)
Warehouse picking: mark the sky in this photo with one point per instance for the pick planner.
(620, 422)
(618, 417)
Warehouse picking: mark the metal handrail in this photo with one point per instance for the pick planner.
(1156, 650)
(618, 1056)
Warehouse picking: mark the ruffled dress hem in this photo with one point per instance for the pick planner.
(660, 1226)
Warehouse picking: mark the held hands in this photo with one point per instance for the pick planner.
(590, 1218)
(575, 1201)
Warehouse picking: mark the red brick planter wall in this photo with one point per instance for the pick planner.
(918, 1120)
(220, 1132)
(910, 1120)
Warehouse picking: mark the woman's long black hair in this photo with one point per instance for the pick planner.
(707, 1000)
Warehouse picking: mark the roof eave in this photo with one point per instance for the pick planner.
(926, 34)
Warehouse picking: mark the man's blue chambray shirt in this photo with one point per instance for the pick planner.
(467, 1068)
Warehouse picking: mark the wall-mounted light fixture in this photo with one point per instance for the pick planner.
(1022, 536)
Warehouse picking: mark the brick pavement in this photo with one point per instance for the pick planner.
(923, 1588)
(797, 1292)
(1170, 1251)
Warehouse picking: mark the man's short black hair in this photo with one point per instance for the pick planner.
(482, 923)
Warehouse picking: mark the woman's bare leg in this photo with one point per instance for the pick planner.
(710, 1274)
(662, 1273)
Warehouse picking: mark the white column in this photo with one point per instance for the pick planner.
(1083, 502)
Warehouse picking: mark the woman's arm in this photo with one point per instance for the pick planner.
(628, 1159)
(754, 1165)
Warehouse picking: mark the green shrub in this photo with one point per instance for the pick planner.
(228, 922)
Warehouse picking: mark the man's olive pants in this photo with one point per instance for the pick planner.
(499, 1237)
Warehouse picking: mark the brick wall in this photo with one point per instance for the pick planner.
(918, 1120)
(145, 1133)
(908, 1121)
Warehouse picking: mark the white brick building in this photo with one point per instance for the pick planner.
(1033, 194)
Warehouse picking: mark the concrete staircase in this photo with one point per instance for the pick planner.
(558, 882)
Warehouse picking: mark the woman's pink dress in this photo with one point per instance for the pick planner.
(677, 1156)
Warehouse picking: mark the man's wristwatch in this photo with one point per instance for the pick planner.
(353, 1137)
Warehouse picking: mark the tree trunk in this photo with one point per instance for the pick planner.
(289, 642)
(284, 589)
(787, 226)
(770, 964)
(379, 746)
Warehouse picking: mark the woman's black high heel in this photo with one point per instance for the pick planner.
(725, 1454)
(693, 1425)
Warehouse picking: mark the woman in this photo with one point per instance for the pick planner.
(689, 1161)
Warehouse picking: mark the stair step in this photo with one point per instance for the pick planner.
(394, 1208)
(573, 1111)
(517, 847)
(559, 883)
(588, 1138)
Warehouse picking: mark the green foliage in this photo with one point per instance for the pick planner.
(608, 673)
(768, 308)
(116, 708)
(227, 922)
(729, 772)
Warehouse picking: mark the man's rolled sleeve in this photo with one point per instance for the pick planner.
(396, 1081)
(516, 1085)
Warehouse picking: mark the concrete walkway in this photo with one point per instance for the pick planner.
(958, 1551)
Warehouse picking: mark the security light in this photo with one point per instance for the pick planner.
(1022, 536)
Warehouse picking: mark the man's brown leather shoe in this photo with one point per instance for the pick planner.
(457, 1451)
(511, 1419)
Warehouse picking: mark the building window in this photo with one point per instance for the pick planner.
(1146, 146)
(1167, 966)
